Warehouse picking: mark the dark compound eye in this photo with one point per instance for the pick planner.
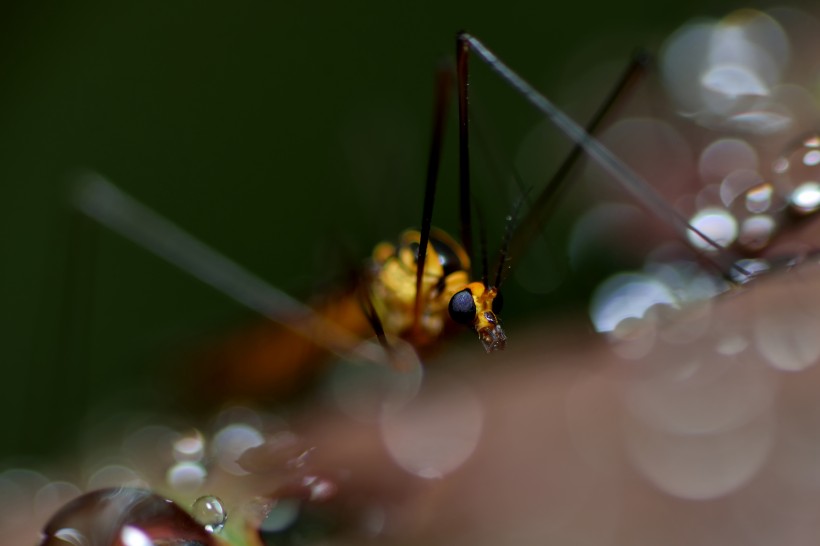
(448, 257)
(498, 303)
(462, 307)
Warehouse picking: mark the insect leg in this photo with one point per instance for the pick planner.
(443, 85)
(464, 148)
(531, 224)
(627, 177)
(104, 202)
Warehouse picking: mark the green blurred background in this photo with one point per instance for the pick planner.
(291, 136)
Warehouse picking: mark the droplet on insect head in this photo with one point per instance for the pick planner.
(130, 517)
(717, 224)
(209, 511)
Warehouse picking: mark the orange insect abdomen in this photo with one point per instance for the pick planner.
(268, 361)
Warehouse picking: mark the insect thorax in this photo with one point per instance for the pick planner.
(393, 287)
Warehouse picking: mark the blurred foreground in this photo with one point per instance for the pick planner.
(702, 431)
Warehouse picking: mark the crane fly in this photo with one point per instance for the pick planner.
(414, 288)
(400, 294)
(403, 296)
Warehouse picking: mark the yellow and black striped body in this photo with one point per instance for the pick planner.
(446, 274)
(270, 361)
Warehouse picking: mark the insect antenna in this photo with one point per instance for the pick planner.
(584, 141)
(443, 85)
(113, 208)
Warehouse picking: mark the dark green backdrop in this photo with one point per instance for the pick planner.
(290, 135)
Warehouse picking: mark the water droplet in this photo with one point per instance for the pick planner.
(190, 447)
(799, 169)
(805, 198)
(186, 476)
(627, 295)
(759, 198)
(756, 231)
(209, 511)
(133, 536)
(718, 224)
(320, 488)
(132, 517)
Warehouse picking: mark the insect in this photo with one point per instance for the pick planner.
(416, 298)
(726, 259)
(415, 290)
(403, 295)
